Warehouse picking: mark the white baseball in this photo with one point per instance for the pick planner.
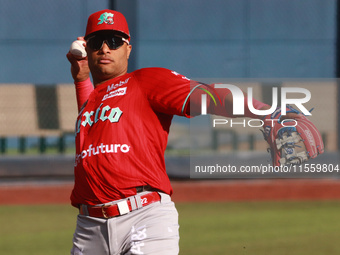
(77, 49)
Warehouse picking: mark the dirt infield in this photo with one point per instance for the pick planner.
(191, 191)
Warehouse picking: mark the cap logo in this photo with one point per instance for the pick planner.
(106, 18)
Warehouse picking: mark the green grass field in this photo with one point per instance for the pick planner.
(255, 228)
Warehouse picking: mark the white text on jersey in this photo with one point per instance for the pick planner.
(114, 86)
(117, 92)
(102, 149)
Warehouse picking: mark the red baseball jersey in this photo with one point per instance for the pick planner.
(121, 135)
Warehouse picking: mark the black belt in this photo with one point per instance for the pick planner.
(140, 189)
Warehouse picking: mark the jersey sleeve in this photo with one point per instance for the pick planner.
(83, 90)
(172, 93)
(165, 90)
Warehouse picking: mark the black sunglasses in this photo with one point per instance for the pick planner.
(114, 42)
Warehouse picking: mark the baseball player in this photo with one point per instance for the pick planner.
(121, 187)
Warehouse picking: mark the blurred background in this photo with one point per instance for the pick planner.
(250, 43)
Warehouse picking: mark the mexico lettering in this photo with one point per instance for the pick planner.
(105, 113)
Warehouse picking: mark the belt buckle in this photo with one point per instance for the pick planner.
(104, 212)
(123, 207)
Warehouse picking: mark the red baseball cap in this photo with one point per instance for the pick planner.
(107, 20)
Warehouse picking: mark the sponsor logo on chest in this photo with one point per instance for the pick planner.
(117, 85)
(112, 90)
(118, 92)
(93, 150)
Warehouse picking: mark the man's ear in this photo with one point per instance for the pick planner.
(129, 49)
